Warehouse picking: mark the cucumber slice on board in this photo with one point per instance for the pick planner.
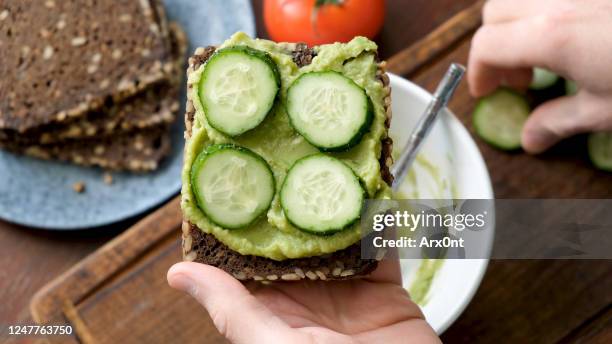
(329, 110)
(499, 118)
(238, 88)
(542, 79)
(233, 185)
(600, 150)
(321, 195)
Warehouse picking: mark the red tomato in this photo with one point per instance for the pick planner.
(322, 21)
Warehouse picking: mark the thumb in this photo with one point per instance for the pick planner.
(563, 117)
(236, 313)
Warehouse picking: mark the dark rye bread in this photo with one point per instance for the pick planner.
(61, 59)
(134, 151)
(154, 106)
(139, 128)
(202, 247)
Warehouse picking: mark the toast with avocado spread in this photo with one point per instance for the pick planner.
(284, 143)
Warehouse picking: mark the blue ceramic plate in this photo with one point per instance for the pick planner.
(39, 193)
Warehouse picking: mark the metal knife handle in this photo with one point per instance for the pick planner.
(440, 99)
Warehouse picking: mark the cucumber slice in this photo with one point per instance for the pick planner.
(238, 88)
(600, 150)
(571, 87)
(499, 118)
(233, 185)
(542, 79)
(330, 110)
(321, 195)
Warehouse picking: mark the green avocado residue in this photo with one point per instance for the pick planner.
(411, 180)
(419, 289)
(421, 285)
(276, 141)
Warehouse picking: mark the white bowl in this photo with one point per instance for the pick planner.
(451, 149)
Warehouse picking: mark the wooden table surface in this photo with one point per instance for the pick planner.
(545, 301)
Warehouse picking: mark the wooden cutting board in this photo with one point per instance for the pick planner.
(119, 293)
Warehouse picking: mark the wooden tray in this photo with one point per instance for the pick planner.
(119, 293)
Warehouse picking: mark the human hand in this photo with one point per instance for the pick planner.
(373, 309)
(571, 38)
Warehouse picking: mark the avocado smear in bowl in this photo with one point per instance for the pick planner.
(275, 140)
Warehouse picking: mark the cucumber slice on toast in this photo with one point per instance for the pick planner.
(499, 118)
(233, 185)
(238, 88)
(542, 79)
(600, 150)
(329, 110)
(321, 195)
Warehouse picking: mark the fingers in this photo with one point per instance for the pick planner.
(236, 313)
(490, 78)
(499, 11)
(564, 117)
(498, 50)
(388, 271)
(411, 331)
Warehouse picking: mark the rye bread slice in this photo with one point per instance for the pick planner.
(134, 151)
(139, 128)
(204, 248)
(154, 106)
(61, 59)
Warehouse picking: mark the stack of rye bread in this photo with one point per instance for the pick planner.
(92, 82)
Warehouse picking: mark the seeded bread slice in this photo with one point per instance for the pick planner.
(61, 59)
(157, 105)
(154, 106)
(204, 248)
(138, 152)
(139, 128)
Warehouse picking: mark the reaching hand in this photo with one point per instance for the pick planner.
(374, 309)
(569, 37)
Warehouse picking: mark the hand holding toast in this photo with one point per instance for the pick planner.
(360, 310)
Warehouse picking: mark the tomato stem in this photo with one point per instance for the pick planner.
(319, 3)
(315, 11)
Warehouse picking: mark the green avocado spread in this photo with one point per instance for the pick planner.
(280, 145)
